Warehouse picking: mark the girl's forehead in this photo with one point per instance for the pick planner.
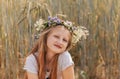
(60, 30)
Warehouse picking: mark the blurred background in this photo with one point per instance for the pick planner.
(98, 57)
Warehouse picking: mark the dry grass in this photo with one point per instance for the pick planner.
(98, 56)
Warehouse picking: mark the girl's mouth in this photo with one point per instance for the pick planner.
(58, 46)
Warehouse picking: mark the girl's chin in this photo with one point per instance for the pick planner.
(57, 52)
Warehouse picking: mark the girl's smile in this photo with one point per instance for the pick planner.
(58, 46)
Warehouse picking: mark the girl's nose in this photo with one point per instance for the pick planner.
(60, 41)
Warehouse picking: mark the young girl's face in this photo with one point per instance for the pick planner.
(58, 39)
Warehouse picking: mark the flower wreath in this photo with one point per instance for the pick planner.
(79, 32)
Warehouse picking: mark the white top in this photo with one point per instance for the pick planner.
(64, 61)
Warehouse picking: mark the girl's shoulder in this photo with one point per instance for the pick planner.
(65, 60)
(32, 56)
(31, 64)
(65, 54)
(29, 57)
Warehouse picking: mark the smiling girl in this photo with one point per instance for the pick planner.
(49, 58)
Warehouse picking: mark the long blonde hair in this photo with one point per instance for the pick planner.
(41, 48)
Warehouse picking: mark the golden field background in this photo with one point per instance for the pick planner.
(98, 57)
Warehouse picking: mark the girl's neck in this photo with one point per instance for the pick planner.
(49, 60)
(49, 56)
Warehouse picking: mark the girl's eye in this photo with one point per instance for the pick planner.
(65, 40)
(56, 36)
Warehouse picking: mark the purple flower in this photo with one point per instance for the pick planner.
(54, 18)
(58, 21)
(49, 18)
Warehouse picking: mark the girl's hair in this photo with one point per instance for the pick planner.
(41, 48)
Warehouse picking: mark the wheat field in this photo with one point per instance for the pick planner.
(98, 57)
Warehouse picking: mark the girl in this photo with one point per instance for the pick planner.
(49, 58)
